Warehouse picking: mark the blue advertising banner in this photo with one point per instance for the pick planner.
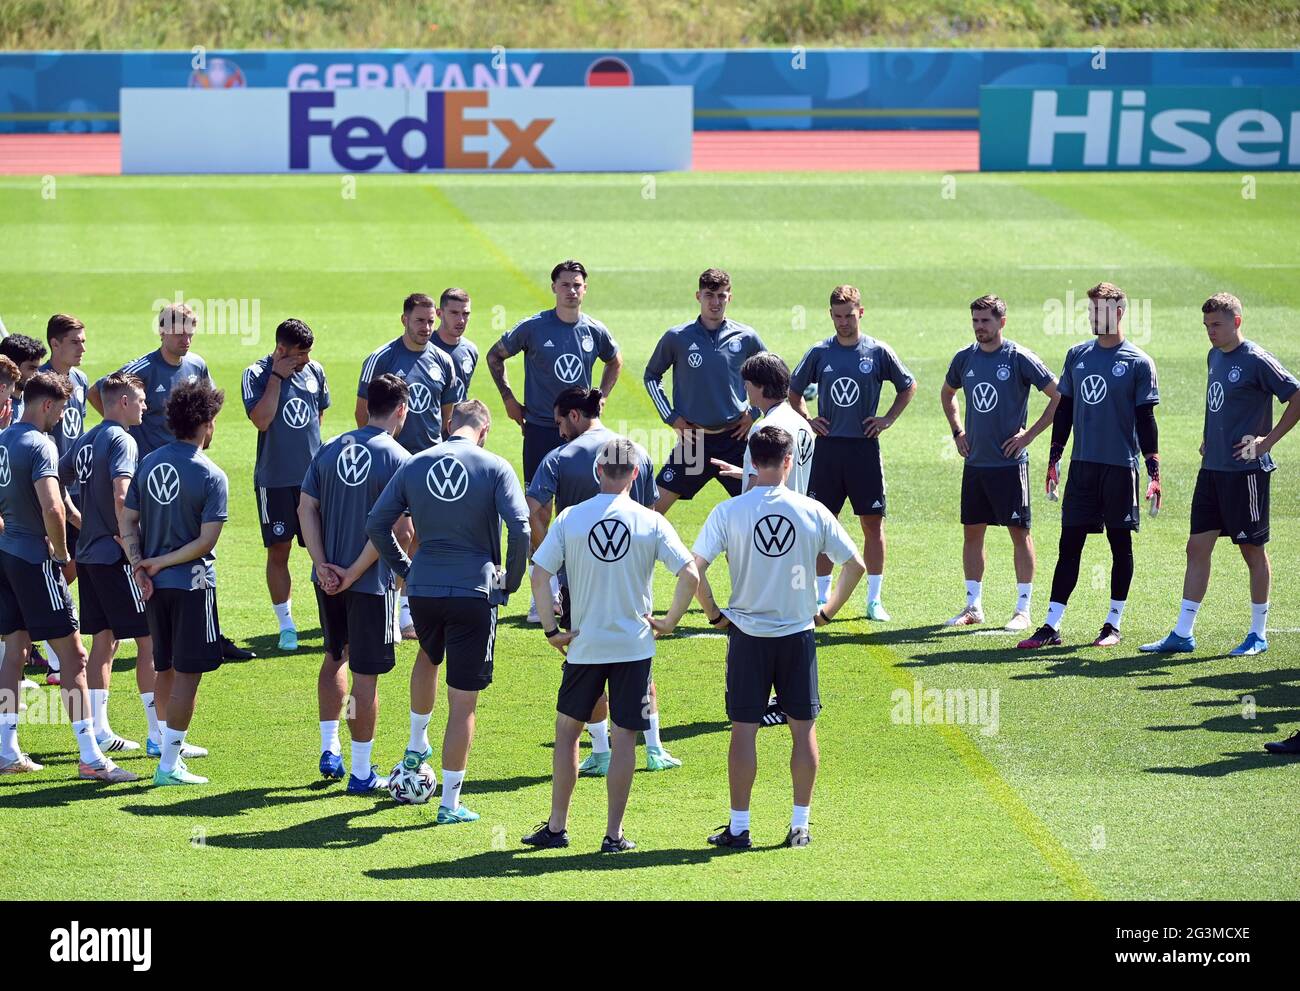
(1078, 128)
(749, 89)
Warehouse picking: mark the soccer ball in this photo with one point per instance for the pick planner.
(412, 787)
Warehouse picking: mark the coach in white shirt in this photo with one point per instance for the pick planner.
(772, 537)
(767, 385)
(608, 546)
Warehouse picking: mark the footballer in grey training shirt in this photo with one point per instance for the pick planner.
(453, 318)
(1231, 498)
(995, 375)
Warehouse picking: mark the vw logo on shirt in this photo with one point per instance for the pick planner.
(805, 442)
(568, 368)
(421, 396)
(71, 422)
(774, 535)
(609, 540)
(984, 397)
(447, 479)
(844, 391)
(296, 413)
(85, 462)
(5, 473)
(353, 464)
(1215, 397)
(1093, 389)
(695, 359)
(163, 483)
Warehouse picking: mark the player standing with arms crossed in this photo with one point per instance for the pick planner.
(1231, 495)
(995, 375)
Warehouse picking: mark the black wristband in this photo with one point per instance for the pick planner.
(553, 633)
(958, 432)
(824, 617)
(716, 620)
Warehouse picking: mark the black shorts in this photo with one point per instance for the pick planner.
(185, 628)
(995, 496)
(758, 665)
(629, 692)
(1098, 496)
(364, 624)
(848, 468)
(35, 598)
(539, 441)
(465, 630)
(566, 607)
(690, 466)
(277, 511)
(111, 601)
(1233, 502)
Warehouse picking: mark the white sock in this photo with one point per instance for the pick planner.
(99, 712)
(873, 587)
(84, 729)
(739, 822)
(329, 736)
(1116, 613)
(1187, 618)
(9, 736)
(451, 782)
(599, 736)
(419, 741)
(173, 740)
(1024, 593)
(404, 620)
(652, 734)
(51, 658)
(1055, 613)
(282, 614)
(823, 586)
(151, 716)
(1258, 617)
(361, 758)
(800, 816)
(974, 594)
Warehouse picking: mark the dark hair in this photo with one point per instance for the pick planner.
(46, 385)
(990, 302)
(385, 393)
(448, 295)
(769, 446)
(19, 348)
(471, 412)
(192, 405)
(575, 397)
(569, 266)
(714, 278)
(60, 325)
(111, 387)
(618, 457)
(767, 370)
(293, 333)
(414, 300)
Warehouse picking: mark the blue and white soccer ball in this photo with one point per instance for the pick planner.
(810, 393)
(412, 787)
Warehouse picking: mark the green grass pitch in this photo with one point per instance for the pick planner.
(1112, 774)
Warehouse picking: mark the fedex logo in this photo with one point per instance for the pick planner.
(412, 144)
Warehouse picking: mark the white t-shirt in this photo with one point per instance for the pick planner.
(772, 537)
(608, 546)
(788, 419)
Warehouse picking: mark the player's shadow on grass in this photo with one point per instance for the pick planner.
(40, 794)
(1233, 761)
(232, 803)
(332, 832)
(1087, 662)
(521, 863)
